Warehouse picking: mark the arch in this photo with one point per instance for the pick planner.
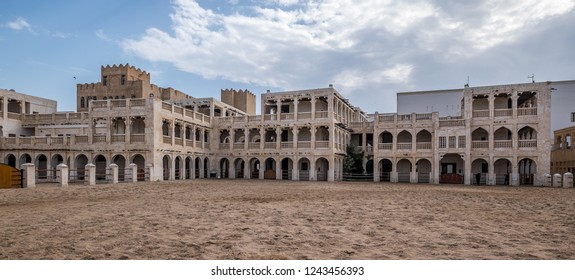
(286, 167)
(224, 168)
(120, 160)
(479, 171)
(404, 137)
(527, 133)
(54, 161)
(385, 168)
(42, 167)
(178, 166)
(423, 169)
(369, 166)
(118, 126)
(502, 169)
(206, 167)
(480, 103)
(25, 158)
(255, 168)
(101, 164)
(197, 167)
(479, 134)
(527, 170)
(80, 162)
(404, 170)
(321, 167)
(423, 136)
(166, 166)
(138, 126)
(239, 165)
(10, 160)
(303, 169)
(140, 162)
(452, 167)
(270, 169)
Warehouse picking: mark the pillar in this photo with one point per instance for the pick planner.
(393, 175)
(134, 171)
(295, 108)
(247, 174)
(114, 168)
(150, 170)
(376, 171)
(514, 180)
(491, 180)
(62, 175)
(91, 174)
(312, 175)
(278, 170)
(467, 170)
(278, 137)
(29, 175)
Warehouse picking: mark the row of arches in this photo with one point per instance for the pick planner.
(479, 134)
(272, 169)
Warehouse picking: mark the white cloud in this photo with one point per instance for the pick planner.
(19, 24)
(360, 44)
(102, 35)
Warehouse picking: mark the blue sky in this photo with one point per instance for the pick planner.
(368, 49)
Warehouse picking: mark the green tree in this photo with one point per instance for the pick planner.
(352, 163)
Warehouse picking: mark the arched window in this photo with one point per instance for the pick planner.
(82, 102)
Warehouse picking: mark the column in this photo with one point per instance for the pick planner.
(247, 174)
(295, 108)
(232, 173)
(128, 130)
(278, 169)
(134, 172)
(62, 175)
(91, 171)
(312, 101)
(278, 137)
(193, 132)
(278, 108)
(514, 180)
(114, 168)
(491, 172)
(232, 139)
(393, 176)
(295, 131)
(173, 131)
(150, 170)
(262, 137)
(312, 176)
(202, 135)
(313, 130)
(467, 170)
(246, 139)
(29, 175)
(376, 171)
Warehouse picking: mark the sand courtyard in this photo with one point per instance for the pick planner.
(258, 219)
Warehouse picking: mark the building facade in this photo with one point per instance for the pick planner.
(499, 136)
(563, 153)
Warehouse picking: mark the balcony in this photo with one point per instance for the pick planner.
(503, 144)
(481, 114)
(286, 116)
(321, 115)
(404, 146)
(423, 146)
(189, 143)
(269, 145)
(118, 138)
(480, 144)
(179, 141)
(304, 144)
(136, 138)
(224, 146)
(503, 112)
(254, 145)
(321, 144)
(98, 139)
(532, 143)
(527, 111)
(286, 145)
(81, 139)
(239, 146)
(304, 116)
(167, 140)
(385, 146)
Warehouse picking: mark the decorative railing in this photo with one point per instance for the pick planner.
(189, 143)
(321, 144)
(423, 145)
(507, 144)
(81, 138)
(404, 146)
(404, 118)
(167, 106)
(532, 143)
(480, 144)
(286, 116)
(385, 146)
(119, 103)
(118, 138)
(269, 145)
(137, 138)
(386, 118)
(98, 138)
(14, 116)
(254, 145)
(321, 115)
(224, 146)
(137, 102)
(178, 110)
(179, 141)
(422, 117)
(239, 146)
(286, 145)
(451, 123)
(503, 112)
(480, 113)
(304, 144)
(527, 111)
(304, 116)
(167, 139)
(254, 118)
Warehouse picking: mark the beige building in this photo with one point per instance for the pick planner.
(500, 135)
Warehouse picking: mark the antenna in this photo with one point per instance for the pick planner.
(532, 77)
(467, 85)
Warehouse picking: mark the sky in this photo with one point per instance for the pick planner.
(368, 49)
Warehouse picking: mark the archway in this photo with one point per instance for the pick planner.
(81, 161)
(527, 171)
(423, 140)
(255, 168)
(42, 167)
(369, 167)
(224, 168)
(166, 164)
(54, 162)
(178, 168)
(121, 162)
(502, 168)
(11, 160)
(25, 158)
(403, 171)
(141, 166)
(303, 169)
(452, 169)
(322, 167)
(423, 169)
(479, 172)
(385, 168)
(197, 167)
(270, 169)
(287, 167)
(385, 141)
(100, 162)
(239, 165)
(188, 167)
(404, 140)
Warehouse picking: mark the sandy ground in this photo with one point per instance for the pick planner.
(251, 219)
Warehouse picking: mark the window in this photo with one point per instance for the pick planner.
(123, 81)
(461, 142)
(105, 80)
(568, 141)
(573, 117)
(442, 142)
(82, 102)
(451, 142)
